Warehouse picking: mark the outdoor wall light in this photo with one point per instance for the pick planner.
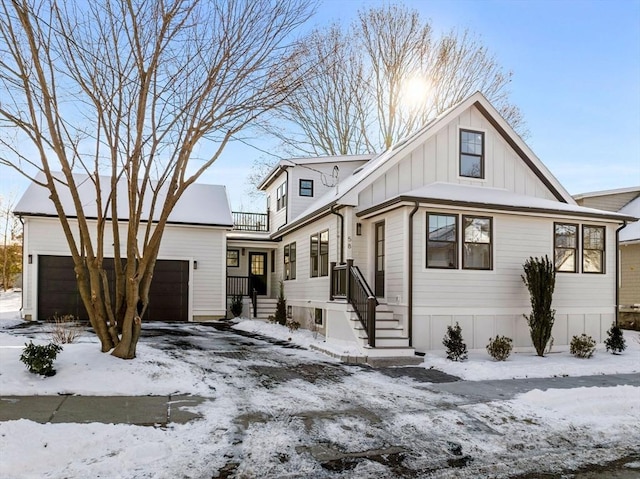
(242, 251)
(358, 229)
(30, 258)
(195, 265)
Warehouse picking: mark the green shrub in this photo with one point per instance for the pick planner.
(456, 348)
(281, 307)
(236, 305)
(582, 346)
(540, 279)
(500, 347)
(615, 340)
(293, 325)
(39, 359)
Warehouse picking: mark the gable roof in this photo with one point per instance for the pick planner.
(617, 191)
(346, 192)
(200, 204)
(290, 162)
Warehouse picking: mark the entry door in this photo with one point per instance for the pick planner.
(379, 256)
(258, 272)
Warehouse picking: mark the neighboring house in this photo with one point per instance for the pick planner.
(383, 252)
(188, 282)
(624, 201)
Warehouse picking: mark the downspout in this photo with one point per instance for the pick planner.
(618, 271)
(341, 233)
(410, 273)
(286, 211)
(23, 268)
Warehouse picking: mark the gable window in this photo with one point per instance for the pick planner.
(472, 154)
(306, 188)
(565, 247)
(233, 258)
(442, 241)
(593, 249)
(281, 196)
(290, 261)
(319, 254)
(476, 251)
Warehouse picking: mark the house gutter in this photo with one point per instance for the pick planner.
(410, 273)
(617, 316)
(341, 232)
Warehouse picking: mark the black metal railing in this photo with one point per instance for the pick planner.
(347, 282)
(242, 286)
(250, 221)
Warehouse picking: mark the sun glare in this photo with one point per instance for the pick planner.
(415, 92)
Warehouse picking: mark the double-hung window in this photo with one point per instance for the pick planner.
(472, 154)
(290, 261)
(306, 188)
(476, 251)
(319, 254)
(566, 247)
(281, 196)
(233, 258)
(593, 249)
(442, 241)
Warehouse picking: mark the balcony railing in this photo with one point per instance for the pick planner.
(250, 221)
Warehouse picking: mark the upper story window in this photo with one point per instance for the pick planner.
(593, 249)
(477, 239)
(472, 154)
(566, 247)
(281, 196)
(306, 188)
(442, 241)
(319, 254)
(290, 261)
(233, 258)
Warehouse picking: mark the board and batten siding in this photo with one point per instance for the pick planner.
(437, 159)
(306, 290)
(206, 245)
(629, 274)
(490, 302)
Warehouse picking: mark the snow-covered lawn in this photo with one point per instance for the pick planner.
(257, 424)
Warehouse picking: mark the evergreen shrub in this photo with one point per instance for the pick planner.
(582, 346)
(456, 348)
(500, 347)
(39, 359)
(540, 279)
(615, 340)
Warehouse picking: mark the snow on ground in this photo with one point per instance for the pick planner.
(262, 425)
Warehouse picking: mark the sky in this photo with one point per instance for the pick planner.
(576, 66)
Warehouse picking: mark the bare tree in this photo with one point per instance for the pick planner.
(11, 249)
(382, 79)
(123, 91)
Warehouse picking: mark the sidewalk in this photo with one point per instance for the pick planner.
(163, 410)
(137, 410)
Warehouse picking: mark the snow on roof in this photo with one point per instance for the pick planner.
(617, 191)
(309, 161)
(631, 232)
(199, 205)
(498, 197)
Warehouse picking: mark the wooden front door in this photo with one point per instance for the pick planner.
(379, 259)
(258, 272)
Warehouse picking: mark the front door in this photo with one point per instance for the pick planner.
(379, 252)
(258, 272)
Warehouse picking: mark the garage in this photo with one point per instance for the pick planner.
(58, 292)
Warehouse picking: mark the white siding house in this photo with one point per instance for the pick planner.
(440, 226)
(189, 276)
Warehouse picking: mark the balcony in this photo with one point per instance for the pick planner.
(250, 221)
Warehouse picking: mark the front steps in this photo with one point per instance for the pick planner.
(389, 333)
(266, 307)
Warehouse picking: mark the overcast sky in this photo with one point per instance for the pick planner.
(576, 68)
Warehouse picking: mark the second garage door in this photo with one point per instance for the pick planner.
(58, 291)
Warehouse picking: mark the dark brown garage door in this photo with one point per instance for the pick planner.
(58, 290)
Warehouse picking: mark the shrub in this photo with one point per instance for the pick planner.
(272, 319)
(456, 348)
(582, 346)
(293, 325)
(65, 329)
(281, 306)
(615, 340)
(500, 347)
(540, 279)
(236, 305)
(39, 359)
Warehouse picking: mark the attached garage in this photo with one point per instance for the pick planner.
(58, 291)
(189, 277)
